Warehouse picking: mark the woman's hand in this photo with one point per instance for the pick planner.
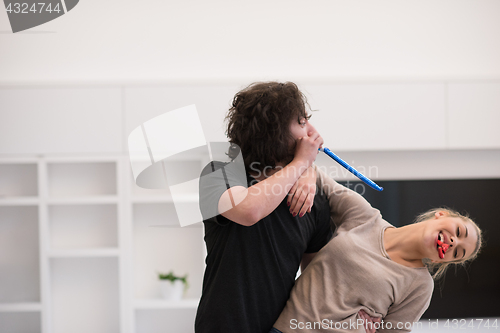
(306, 148)
(369, 328)
(301, 195)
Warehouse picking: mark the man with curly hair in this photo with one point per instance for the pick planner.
(254, 248)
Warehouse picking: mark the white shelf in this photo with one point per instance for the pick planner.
(144, 304)
(155, 213)
(21, 322)
(169, 320)
(81, 158)
(83, 226)
(19, 201)
(18, 180)
(83, 253)
(20, 160)
(81, 179)
(161, 245)
(192, 198)
(19, 254)
(152, 199)
(198, 225)
(85, 295)
(86, 200)
(20, 307)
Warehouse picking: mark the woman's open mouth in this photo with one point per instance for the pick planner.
(441, 246)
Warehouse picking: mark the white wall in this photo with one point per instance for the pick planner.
(136, 41)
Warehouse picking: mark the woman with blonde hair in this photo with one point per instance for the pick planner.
(373, 269)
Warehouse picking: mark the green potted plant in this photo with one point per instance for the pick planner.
(172, 287)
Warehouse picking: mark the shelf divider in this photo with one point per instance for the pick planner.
(21, 307)
(144, 304)
(83, 253)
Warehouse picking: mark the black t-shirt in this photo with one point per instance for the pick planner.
(251, 270)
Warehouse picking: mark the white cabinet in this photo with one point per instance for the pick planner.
(18, 180)
(159, 244)
(81, 252)
(474, 115)
(159, 247)
(379, 116)
(61, 120)
(20, 320)
(85, 294)
(83, 226)
(212, 102)
(19, 255)
(20, 290)
(81, 179)
(81, 246)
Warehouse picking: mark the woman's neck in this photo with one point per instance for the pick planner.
(402, 245)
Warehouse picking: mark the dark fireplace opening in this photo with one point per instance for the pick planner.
(470, 292)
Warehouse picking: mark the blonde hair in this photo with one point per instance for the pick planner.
(437, 269)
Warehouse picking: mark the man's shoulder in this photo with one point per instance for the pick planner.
(321, 202)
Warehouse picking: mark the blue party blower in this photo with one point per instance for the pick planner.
(355, 172)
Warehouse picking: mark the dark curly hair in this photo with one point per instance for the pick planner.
(259, 122)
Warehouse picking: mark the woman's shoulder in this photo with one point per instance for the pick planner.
(423, 280)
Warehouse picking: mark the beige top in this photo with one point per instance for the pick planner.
(354, 272)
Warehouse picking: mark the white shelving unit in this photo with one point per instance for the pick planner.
(81, 253)
(81, 246)
(20, 297)
(159, 244)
